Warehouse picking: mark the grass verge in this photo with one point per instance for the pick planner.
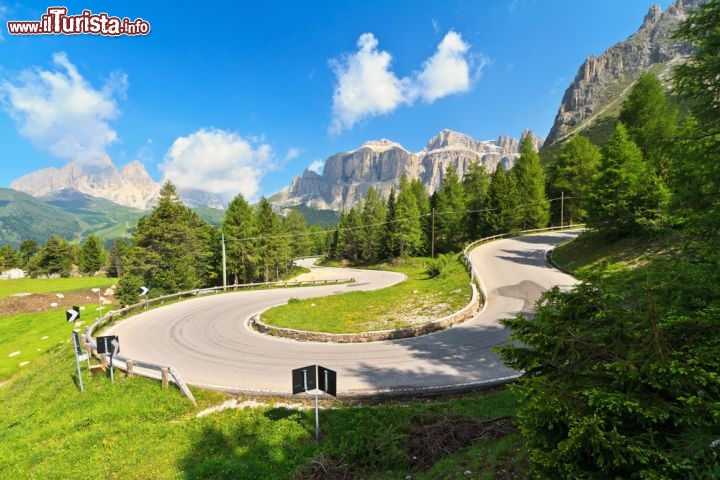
(52, 285)
(132, 429)
(418, 300)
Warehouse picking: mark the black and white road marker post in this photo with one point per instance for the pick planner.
(314, 380)
(109, 345)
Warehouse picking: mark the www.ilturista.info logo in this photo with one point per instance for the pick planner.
(57, 22)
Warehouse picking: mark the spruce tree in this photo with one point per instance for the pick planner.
(9, 258)
(530, 181)
(450, 212)
(92, 255)
(626, 195)
(294, 224)
(391, 246)
(240, 229)
(170, 250)
(373, 218)
(274, 251)
(476, 185)
(409, 233)
(504, 203)
(571, 174)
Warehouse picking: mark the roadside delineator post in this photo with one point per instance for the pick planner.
(314, 380)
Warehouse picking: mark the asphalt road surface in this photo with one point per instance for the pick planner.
(208, 342)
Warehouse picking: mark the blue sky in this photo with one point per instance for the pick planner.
(239, 97)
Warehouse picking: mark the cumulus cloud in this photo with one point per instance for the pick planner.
(59, 111)
(447, 71)
(366, 85)
(218, 162)
(317, 166)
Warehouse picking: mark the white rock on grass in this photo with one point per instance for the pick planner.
(13, 354)
(22, 364)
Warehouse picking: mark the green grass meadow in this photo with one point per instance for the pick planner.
(133, 429)
(420, 299)
(52, 285)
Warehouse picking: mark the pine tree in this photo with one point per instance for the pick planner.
(450, 212)
(240, 229)
(170, 251)
(373, 218)
(651, 121)
(504, 203)
(56, 257)
(273, 248)
(530, 181)
(571, 174)
(92, 255)
(294, 224)
(476, 185)
(9, 258)
(118, 252)
(423, 203)
(409, 234)
(392, 248)
(626, 195)
(27, 249)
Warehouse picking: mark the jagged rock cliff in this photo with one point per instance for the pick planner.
(131, 187)
(347, 176)
(602, 82)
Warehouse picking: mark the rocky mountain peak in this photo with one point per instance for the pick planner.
(347, 176)
(602, 80)
(381, 145)
(653, 16)
(133, 187)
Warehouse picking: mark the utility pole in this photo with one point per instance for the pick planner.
(562, 209)
(224, 262)
(432, 235)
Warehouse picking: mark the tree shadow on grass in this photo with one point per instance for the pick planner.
(257, 444)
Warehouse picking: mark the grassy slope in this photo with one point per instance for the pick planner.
(134, 429)
(417, 300)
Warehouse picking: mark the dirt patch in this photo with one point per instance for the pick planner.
(40, 302)
(432, 437)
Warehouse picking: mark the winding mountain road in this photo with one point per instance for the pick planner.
(209, 343)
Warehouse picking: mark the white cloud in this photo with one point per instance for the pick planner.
(317, 166)
(366, 86)
(292, 153)
(218, 162)
(447, 71)
(59, 111)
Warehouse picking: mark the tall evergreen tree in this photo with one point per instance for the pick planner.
(626, 195)
(696, 170)
(392, 248)
(409, 234)
(571, 174)
(651, 121)
(240, 229)
(450, 212)
(56, 257)
(294, 224)
(530, 181)
(91, 257)
(27, 249)
(170, 250)
(423, 203)
(118, 253)
(373, 218)
(9, 258)
(274, 251)
(504, 203)
(476, 185)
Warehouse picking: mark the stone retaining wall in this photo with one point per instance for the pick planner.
(465, 313)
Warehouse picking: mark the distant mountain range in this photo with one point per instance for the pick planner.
(347, 176)
(78, 198)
